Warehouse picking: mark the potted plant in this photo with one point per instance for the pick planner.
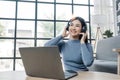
(108, 33)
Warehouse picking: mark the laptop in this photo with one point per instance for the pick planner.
(44, 62)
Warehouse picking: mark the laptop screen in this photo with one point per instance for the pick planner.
(42, 62)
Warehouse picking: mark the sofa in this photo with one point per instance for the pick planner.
(106, 58)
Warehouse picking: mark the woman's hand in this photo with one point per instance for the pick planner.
(84, 36)
(65, 33)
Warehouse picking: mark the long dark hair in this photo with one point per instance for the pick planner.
(84, 26)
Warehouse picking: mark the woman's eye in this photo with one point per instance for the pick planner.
(77, 25)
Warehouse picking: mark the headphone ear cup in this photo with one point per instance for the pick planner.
(68, 24)
(67, 27)
(83, 29)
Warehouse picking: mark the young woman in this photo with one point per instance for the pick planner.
(77, 53)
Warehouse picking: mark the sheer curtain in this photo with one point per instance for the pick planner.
(102, 19)
(104, 8)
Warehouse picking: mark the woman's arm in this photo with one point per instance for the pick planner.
(54, 41)
(87, 54)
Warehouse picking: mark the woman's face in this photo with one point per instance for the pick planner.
(75, 28)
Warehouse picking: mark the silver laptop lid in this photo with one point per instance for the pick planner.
(42, 62)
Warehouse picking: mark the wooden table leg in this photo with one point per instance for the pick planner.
(118, 64)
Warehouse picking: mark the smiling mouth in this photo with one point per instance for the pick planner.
(72, 31)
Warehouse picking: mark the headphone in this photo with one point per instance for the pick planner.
(84, 28)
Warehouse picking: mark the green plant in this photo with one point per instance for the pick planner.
(108, 33)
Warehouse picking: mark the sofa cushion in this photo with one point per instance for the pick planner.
(104, 66)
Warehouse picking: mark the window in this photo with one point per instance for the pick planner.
(29, 23)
